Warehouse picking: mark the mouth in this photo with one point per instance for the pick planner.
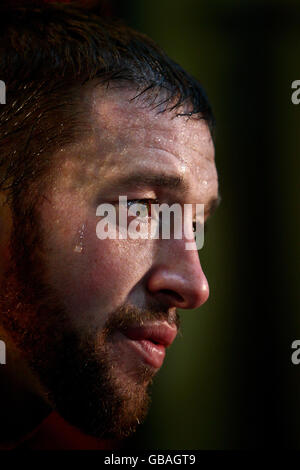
(150, 341)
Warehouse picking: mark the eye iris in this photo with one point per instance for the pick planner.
(143, 210)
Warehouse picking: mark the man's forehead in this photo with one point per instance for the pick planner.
(117, 115)
(128, 136)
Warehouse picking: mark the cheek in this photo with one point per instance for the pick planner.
(107, 270)
(91, 276)
(97, 280)
(113, 268)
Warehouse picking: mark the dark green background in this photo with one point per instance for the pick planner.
(229, 383)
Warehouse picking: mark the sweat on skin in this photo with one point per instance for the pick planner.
(171, 159)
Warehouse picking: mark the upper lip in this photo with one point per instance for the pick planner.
(158, 332)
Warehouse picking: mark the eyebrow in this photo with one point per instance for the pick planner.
(142, 179)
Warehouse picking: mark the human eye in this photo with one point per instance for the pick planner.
(140, 208)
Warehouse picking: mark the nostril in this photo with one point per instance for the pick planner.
(173, 294)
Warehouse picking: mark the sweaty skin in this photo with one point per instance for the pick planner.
(127, 139)
(94, 280)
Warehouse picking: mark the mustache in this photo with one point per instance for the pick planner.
(129, 315)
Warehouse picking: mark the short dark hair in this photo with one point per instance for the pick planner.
(49, 51)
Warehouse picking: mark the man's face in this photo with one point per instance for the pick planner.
(94, 316)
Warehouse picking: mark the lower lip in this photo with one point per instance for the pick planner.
(152, 354)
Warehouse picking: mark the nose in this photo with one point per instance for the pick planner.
(178, 280)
